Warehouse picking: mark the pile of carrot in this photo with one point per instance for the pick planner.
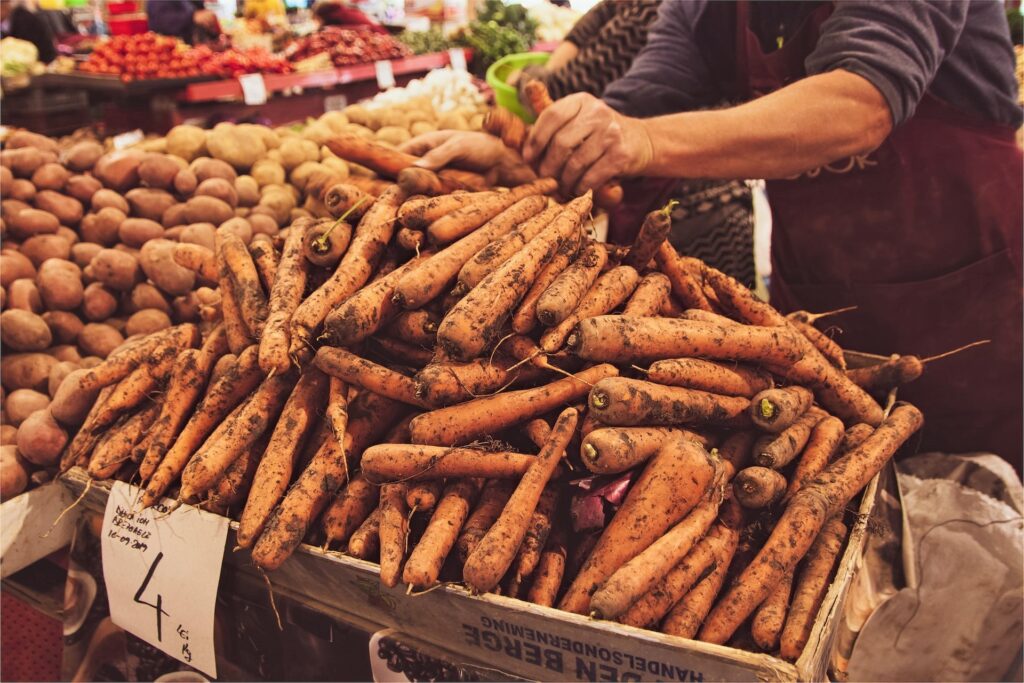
(423, 391)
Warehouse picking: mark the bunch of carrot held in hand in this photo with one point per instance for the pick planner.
(430, 401)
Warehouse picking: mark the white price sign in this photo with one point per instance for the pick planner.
(457, 57)
(161, 570)
(254, 89)
(385, 74)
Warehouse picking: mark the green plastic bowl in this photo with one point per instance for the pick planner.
(504, 94)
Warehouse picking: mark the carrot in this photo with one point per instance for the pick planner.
(266, 259)
(365, 541)
(809, 591)
(671, 485)
(422, 496)
(804, 517)
(524, 319)
(410, 240)
(504, 124)
(394, 532)
(822, 445)
(894, 372)
(608, 293)
(825, 344)
(221, 366)
(366, 374)
(493, 498)
(415, 357)
(671, 308)
(736, 298)
(538, 431)
(537, 531)
(246, 281)
(501, 250)
(705, 375)
(735, 452)
(196, 258)
(239, 335)
(349, 509)
(346, 198)
(221, 398)
(115, 448)
(417, 214)
(464, 220)
(236, 433)
(547, 580)
(275, 469)
(685, 285)
(420, 181)
(652, 234)
(482, 416)
(609, 450)
(495, 552)
(371, 238)
(133, 390)
(563, 296)
(637, 576)
(758, 487)
(409, 462)
(781, 450)
(414, 327)
(370, 417)
(431, 277)
(233, 487)
(337, 409)
(457, 180)
(773, 410)
(326, 241)
(373, 155)
(768, 620)
(619, 401)
(685, 618)
(368, 310)
(707, 317)
(425, 561)
(650, 296)
(475, 321)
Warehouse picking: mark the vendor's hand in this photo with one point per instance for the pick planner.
(584, 143)
(478, 152)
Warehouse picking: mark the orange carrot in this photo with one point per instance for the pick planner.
(505, 125)
(781, 450)
(395, 352)
(650, 296)
(133, 390)
(394, 532)
(422, 496)
(414, 327)
(825, 344)
(501, 250)
(651, 235)
(773, 410)
(371, 154)
(685, 286)
(115, 447)
(735, 452)
(266, 259)
(345, 198)
(425, 561)
(349, 509)
(895, 372)
(770, 617)
(233, 487)
(246, 281)
(462, 221)
(196, 258)
(365, 541)
(493, 498)
(326, 241)
(417, 214)
(285, 297)
(538, 431)
(528, 554)
(366, 374)
(371, 417)
(706, 375)
(620, 401)
(524, 319)
(409, 462)
(607, 294)
(758, 487)
(563, 296)
(685, 618)
(239, 335)
(410, 240)
(822, 445)
(547, 579)
(609, 450)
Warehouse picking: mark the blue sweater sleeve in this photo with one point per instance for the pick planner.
(669, 75)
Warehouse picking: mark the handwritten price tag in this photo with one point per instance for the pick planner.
(457, 57)
(385, 74)
(254, 89)
(161, 571)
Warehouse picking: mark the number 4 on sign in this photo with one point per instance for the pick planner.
(159, 606)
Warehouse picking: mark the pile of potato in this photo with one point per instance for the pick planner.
(397, 123)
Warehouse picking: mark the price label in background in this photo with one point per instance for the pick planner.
(254, 89)
(385, 74)
(335, 103)
(128, 139)
(457, 57)
(161, 570)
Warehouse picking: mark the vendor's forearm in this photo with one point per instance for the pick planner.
(562, 55)
(812, 122)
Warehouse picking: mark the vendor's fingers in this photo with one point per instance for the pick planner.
(421, 144)
(561, 147)
(550, 121)
(515, 174)
(581, 160)
(442, 155)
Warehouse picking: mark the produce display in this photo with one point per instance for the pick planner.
(305, 332)
(553, 22)
(147, 55)
(347, 46)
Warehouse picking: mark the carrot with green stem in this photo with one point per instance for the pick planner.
(563, 296)
(493, 497)
(652, 234)
(784, 448)
(674, 482)
(495, 552)
(468, 421)
(524, 319)
(773, 410)
(619, 401)
(365, 541)
(607, 293)
(804, 517)
(409, 462)
(497, 252)
(366, 374)
(345, 199)
(464, 220)
(425, 561)
(393, 531)
(650, 295)
(610, 450)
(325, 242)
(729, 379)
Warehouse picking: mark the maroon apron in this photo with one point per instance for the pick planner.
(923, 235)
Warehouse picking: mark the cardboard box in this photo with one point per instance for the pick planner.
(29, 530)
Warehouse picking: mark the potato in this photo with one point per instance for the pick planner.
(41, 439)
(339, 167)
(24, 162)
(262, 224)
(199, 209)
(20, 189)
(296, 214)
(186, 308)
(292, 153)
(57, 375)
(247, 190)
(173, 216)
(239, 226)
(60, 284)
(98, 303)
(3, 298)
(146, 321)
(99, 339)
(137, 231)
(145, 296)
(205, 168)
(64, 325)
(268, 136)
(268, 172)
(83, 156)
(149, 203)
(50, 176)
(187, 142)
(356, 113)
(116, 323)
(158, 171)
(242, 211)
(23, 402)
(280, 204)
(28, 222)
(68, 235)
(393, 135)
(199, 233)
(13, 473)
(185, 182)
(83, 187)
(68, 210)
(6, 178)
(237, 146)
(24, 330)
(452, 121)
(83, 253)
(12, 207)
(318, 133)
(23, 295)
(303, 171)
(116, 269)
(65, 353)
(104, 198)
(220, 189)
(157, 261)
(102, 227)
(119, 170)
(9, 433)
(335, 120)
(25, 138)
(13, 266)
(26, 370)
(42, 247)
(71, 402)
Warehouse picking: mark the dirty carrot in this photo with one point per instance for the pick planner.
(650, 295)
(825, 344)
(370, 417)
(325, 241)
(418, 213)
(239, 335)
(233, 487)
(528, 554)
(563, 296)
(735, 452)
(822, 445)
(781, 450)
(685, 618)
(364, 542)
(547, 579)
(607, 293)
(524, 319)
(501, 250)
(115, 448)
(246, 281)
(758, 487)
(422, 496)
(538, 431)
(414, 327)
(651, 235)
(383, 160)
(285, 297)
(349, 509)
(394, 532)
(410, 240)
(773, 410)
(770, 617)
(619, 401)
(728, 379)
(495, 494)
(266, 259)
(894, 372)
(366, 374)
(410, 462)
(345, 198)
(133, 390)
(685, 284)
(609, 450)
(464, 220)
(425, 561)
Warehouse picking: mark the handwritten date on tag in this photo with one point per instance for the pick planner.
(161, 569)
